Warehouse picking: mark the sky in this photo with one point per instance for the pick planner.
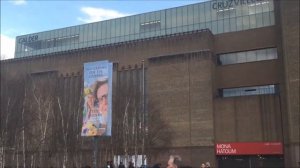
(20, 17)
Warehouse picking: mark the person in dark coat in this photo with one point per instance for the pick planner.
(121, 165)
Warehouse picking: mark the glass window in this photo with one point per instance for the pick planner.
(220, 26)
(239, 10)
(113, 28)
(252, 21)
(246, 24)
(258, 7)
(251, 56)
(271, 5)
(245, 10)
(259, 20)
(214, 27)
(272, 18)
(252, 9)
(103, 28)
(241, 57)
(86, 32)
(207, 11)
(231, 58)
(201, 13)
(261, 55)
(127, 25)
(233, 24)
(184, 15)
(247, 91)
(215, 15)
(168, 18)
(90, 32)
(190, 14)
(239, 23)
(179, 21)
(137, 24)
(122, 26)
(248, 56)
(271, 53)
(266, 19)
(265, 6)
(174, 17)
(226, 25)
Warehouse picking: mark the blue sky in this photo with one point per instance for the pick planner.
(19, 17)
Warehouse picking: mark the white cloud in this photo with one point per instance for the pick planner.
(99, 14)
(19, 2)
(7, 47)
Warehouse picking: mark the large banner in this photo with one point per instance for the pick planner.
(97, 99)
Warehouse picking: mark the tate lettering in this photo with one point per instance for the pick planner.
(28, 39)
(232, 3)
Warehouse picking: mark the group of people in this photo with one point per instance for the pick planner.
(175, 161)
(205, 165)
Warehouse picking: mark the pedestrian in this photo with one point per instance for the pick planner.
(121, 165)
(130, 164)
(202, 165)
(174, 161)
(207, 165)
(158, 165)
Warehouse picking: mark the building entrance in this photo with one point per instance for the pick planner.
(251, 161)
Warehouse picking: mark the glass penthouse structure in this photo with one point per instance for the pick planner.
(219, 16)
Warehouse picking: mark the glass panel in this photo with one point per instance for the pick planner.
(246, 23)
(207, 11)
(252, 9)
(168, 18)
(220, 26)
(137, 23)
(231, 58)
(251, 56)
(122, 26)
(179, 17)
(241, 57)
(239, 10)
(214, 14)
(184, 15)
(252, 21)
(245, 10)
(261, 55)
(174, 18)
(201, 13)
(190, 12)
(127, 25)
(271, 5)
(103, 28)
(214, 27)
(259, 20)
(113, 28)
(272, 18)
(239, 24)
(265, 6)
(226, 25)
(258, 8)
(233, 24)
(266, 19)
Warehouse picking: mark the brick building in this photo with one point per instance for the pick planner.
(223, 76)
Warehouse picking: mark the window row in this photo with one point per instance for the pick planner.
(247, 91)
(248, 56)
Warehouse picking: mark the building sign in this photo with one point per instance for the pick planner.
(97, 99)
(217, 5)
(249, 148)
(28, 39)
